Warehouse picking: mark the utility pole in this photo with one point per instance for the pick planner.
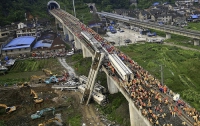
(74, 9)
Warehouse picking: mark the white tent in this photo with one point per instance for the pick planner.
(176, 97)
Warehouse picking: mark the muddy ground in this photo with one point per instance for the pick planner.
(65, 102)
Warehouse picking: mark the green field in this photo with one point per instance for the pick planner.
(178, 39)
(22, 70)
(193, 26)
(180, 67)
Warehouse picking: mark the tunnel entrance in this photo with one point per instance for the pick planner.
(91, 8)
(52, 5)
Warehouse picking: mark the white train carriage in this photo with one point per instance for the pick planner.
(95, 45)
(124, 72)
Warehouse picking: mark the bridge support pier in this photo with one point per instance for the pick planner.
(71, 37)
(196, 42)
(65, 30)
(77, 43)
(131, 112)
(168, 35)
(58, 23)
(111, 85)
(85, 52)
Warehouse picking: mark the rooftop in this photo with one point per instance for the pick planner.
(43, 43)
(20, 42)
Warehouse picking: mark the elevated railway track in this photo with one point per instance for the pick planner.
(127, 80)
(165, 28)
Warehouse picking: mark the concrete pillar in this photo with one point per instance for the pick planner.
(56, 21)
(196, 42)
(77, 43)
(131, 112)
(168, 35)
(86, 52)
(71, 36)
(60, 25)
(65, 30)
(111, 85)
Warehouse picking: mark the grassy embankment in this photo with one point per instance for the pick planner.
(181, 67)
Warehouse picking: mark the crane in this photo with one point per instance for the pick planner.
(8, 109)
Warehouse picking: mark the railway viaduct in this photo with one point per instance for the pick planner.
(75, 29)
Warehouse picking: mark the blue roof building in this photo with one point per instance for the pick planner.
(49, 41)
(18, 45)
(43, 44)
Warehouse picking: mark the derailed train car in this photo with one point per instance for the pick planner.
(98, 91)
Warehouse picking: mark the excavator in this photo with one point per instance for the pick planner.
(37, 79)
(8, 109)
(40, 113)
(36, 99)
(47, 72)
(52, 79)
(25, 84)
(49, 121)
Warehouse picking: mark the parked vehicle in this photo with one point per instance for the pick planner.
(40, 113)
(127, 41)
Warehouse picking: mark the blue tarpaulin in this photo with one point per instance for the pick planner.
(194, 16)
(156, 3)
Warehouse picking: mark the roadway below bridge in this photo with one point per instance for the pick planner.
(148, 102)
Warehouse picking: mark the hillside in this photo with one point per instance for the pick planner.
(14, 10)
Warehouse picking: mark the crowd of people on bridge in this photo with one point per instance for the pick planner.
(152, 98)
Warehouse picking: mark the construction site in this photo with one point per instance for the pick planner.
(50, 99)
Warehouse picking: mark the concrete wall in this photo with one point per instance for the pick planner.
(16, 51)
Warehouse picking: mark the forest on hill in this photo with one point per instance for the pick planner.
(14, 10)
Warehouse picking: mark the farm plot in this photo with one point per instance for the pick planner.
(22, 70)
